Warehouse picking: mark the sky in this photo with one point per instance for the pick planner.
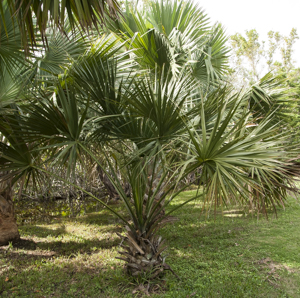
(237, 16)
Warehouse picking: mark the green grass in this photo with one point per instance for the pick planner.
(231, 256)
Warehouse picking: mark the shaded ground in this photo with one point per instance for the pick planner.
(234, 256)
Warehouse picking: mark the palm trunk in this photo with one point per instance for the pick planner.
(8, 226)
(143, 255)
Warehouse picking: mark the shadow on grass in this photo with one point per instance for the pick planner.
(75, 278)
(57, 248)
(100, 219)
(42, 232)
(64, 246)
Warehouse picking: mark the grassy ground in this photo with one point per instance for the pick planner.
(232, 256)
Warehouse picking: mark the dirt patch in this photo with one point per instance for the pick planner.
(148, 289)
(272, 275)
(274, 266)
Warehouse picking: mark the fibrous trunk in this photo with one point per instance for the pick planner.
(143, 252)
(143, 255)
(8, 226)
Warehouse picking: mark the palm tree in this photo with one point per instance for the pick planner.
(151, 99)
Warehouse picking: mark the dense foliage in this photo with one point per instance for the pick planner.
(144, 104)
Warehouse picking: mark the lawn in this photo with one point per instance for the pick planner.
(217, 256)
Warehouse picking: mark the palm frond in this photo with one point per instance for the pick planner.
(36, 15)
(11, 52)
(17, 158)
(227, 158)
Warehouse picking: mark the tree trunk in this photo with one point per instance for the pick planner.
(110, 189)
(8, 226)
(143, 255)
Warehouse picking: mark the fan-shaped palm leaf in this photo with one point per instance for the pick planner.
(17, 158)
(228, 155)
(84, 14)
(11, 52)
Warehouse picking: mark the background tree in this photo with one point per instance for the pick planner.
(250, 49)
(253, 58)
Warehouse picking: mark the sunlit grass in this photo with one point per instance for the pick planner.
(214, 256)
